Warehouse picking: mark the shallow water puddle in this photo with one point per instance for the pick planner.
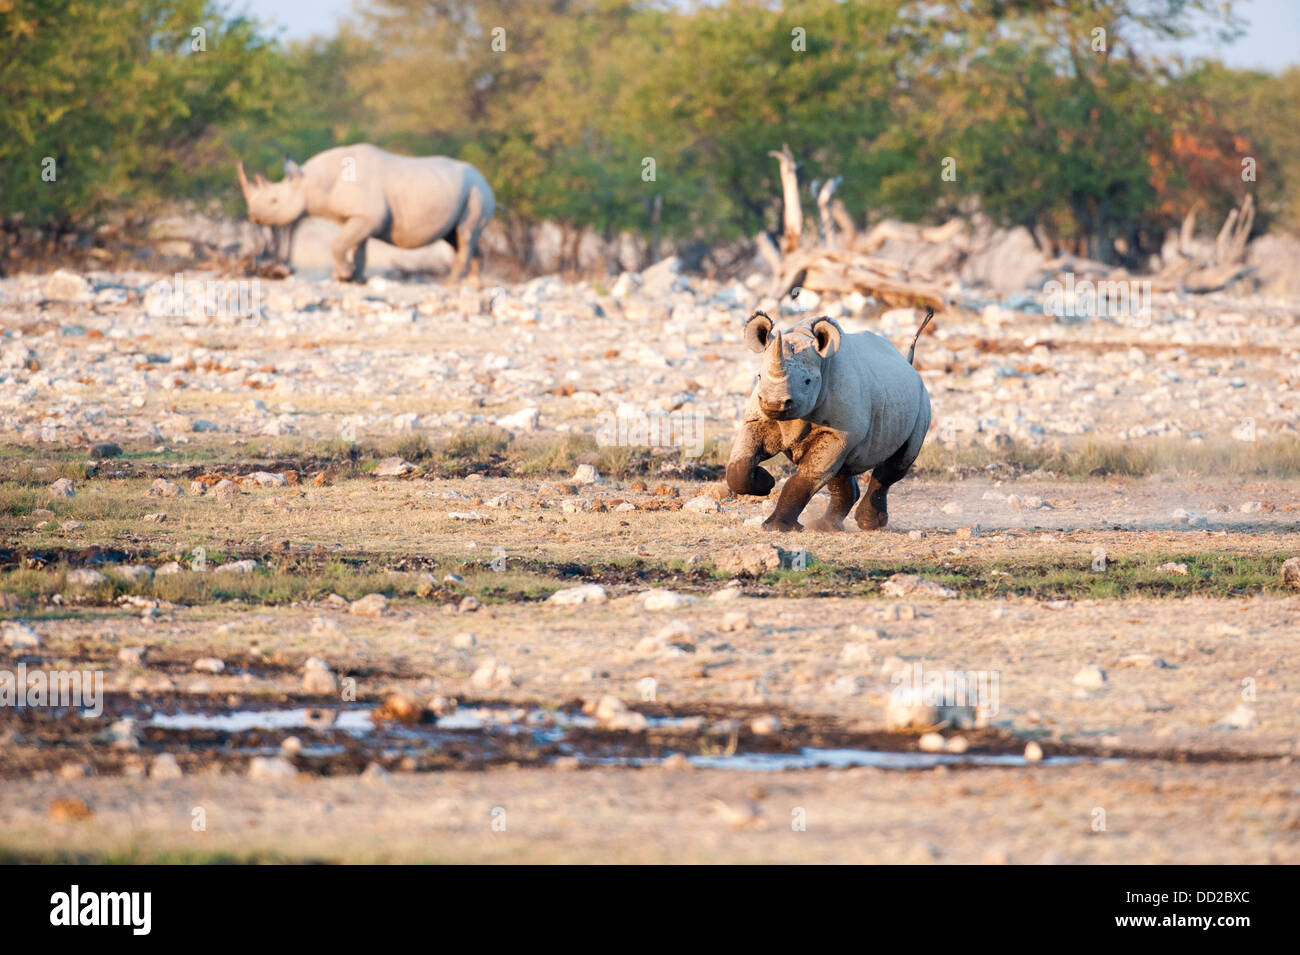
(487, 735)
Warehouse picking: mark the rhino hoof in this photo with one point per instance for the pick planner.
(784, 527)
(870, 519)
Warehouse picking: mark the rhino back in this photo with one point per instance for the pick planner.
(874, 396)
(416, 199)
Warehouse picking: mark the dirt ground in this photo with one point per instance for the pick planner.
(320, 663)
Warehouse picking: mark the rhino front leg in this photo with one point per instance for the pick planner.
(744, 476)
(349, 249)
(844, 494)
(820, 461)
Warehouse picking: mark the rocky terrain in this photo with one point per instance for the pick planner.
(411, 571)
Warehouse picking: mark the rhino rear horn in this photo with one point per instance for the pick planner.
(757, 330)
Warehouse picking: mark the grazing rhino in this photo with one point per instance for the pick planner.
(837, 405)
(408, 201)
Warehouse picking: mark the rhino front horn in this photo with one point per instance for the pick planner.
(775, 366)
(243, 178)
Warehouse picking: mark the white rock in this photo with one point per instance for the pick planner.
(931, 743)
(371, 605)
(584, 594)
(1242, 718)
(270, 768)
(735, 621)
(766, 725)
(666, 600)
(1091, 677)
(318, 679)
(20, 636)
(165, 766)
(85, 578)
(209, 665)
(702, 504)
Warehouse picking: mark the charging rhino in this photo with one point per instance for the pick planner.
(408, 201)
(837, 405)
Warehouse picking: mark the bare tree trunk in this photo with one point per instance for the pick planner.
(1230, 245)
(767, 249)
(844, 222)
(824, 197)
(793, 212)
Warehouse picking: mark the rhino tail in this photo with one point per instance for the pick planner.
(929, 314)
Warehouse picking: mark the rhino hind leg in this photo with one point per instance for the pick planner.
(844, 494)
(873, 512)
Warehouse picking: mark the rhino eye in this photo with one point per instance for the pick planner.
(807, 381)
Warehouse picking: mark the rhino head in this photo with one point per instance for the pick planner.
(790, 380)
(275, 203)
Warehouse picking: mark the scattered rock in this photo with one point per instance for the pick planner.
(1033, 752)
(133, 656)
(371, 605)
(735, 621)
(901, 585)
(62, 488)
(492, 675)
(238, 567)
(85, 578)
(586, 474)
(165, 766)
(931, 743)
(395, 467)
(19, 635)
(702, 504)
(766, 725)
(666, 600)
(226, 490)
(1091, 677)
(271, 768)
(584, 594)
(1291, 573)
(318, 679)
(1242, 718)
(107, 449)
(162, 487)
(751, 560)
(209, 665)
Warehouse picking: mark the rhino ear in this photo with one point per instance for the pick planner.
(291, 169)
(757, 330)
(827, 332)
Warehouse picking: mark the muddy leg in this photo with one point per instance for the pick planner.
(794, 498)
(818, 463)
(844, 493)
(873, 513)
(744, 476)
